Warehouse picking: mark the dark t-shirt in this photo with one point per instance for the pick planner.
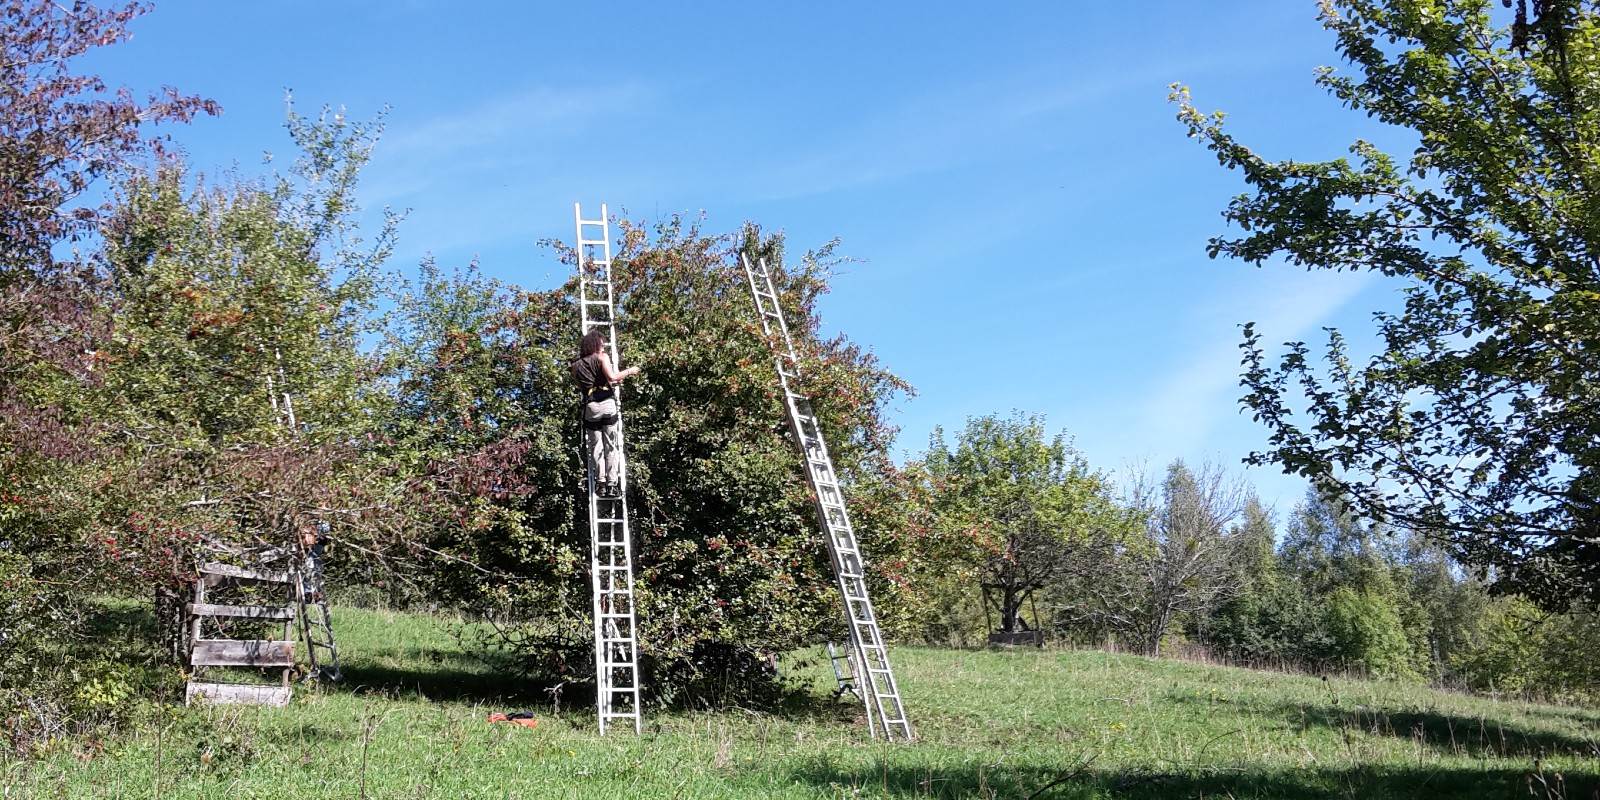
(589, 374)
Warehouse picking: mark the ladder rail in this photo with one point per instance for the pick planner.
(316, 618)
(615, 649)
(866, 638)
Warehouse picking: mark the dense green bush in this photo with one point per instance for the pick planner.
(1367, 633)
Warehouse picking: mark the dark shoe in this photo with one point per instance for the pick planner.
(612, 490)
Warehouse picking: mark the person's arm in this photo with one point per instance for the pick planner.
(611, 375)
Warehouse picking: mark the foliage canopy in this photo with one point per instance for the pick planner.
(1479, 419)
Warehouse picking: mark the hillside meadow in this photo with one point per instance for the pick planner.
(409, 721)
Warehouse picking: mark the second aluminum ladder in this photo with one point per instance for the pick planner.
(875, 682)
(616, 642)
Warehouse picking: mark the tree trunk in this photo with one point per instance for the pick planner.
(1011, 609)
(1159, 620)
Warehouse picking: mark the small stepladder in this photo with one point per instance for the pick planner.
(316, 622)
(616, 643)
(843, 676)
(875, 681)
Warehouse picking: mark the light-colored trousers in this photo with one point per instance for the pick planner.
(605, 452)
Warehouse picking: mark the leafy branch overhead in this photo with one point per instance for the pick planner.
(1479, 419)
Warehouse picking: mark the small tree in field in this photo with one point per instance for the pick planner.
(1478, 421)
(1019, 500)
(1181, 563)
(233, 392)
(1194, 555)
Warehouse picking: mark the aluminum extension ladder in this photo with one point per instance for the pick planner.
(875, 683)
(616, 642)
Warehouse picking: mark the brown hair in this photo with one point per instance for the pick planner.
(591, 343)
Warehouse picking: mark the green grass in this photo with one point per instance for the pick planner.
(408, 722)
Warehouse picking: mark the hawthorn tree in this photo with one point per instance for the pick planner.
(235, 405)
(730, 568)
(1478, 421)
(60, 131)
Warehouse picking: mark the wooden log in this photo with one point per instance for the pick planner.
(214, 571)
(236, 694)
(247, 612)
(242, 653)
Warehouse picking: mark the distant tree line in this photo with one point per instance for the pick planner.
(1194, 563)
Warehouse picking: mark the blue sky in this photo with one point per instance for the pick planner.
(1030, 217)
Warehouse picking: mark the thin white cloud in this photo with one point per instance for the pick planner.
(965, 123)
(515, 115)
(954, 127)
(1184, 410)
(509, 132)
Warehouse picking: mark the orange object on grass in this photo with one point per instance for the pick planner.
(522, 718)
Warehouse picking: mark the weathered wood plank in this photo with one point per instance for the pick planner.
(241, 653)
(214, 569)
(236, 694)
(247, 612)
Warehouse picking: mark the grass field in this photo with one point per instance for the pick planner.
(409, 722)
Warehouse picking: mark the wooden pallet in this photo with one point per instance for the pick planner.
(205, 653)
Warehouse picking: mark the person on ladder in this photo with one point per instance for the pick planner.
(597, 377)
